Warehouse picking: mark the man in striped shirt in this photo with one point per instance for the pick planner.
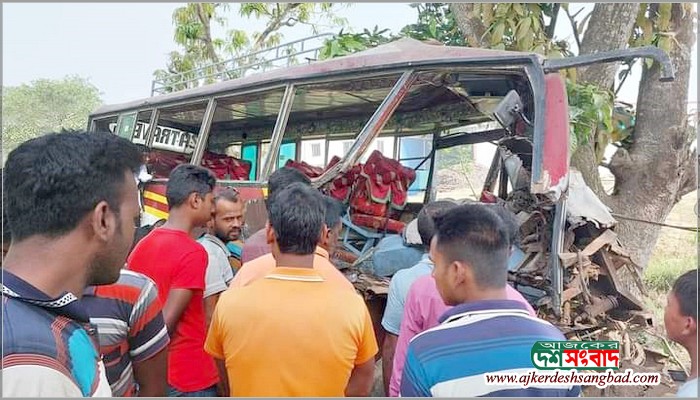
(132, 334)
(484, 332)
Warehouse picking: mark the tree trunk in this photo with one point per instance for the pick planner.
(609, 28)
(208, 41)
(658, 168)
(472, 28)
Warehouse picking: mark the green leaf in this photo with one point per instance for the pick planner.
(523, 28)
(497, 33)
(433, 27)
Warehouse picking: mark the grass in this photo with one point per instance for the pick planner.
(676, 251)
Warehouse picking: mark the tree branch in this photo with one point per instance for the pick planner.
(553, 23)
(471, 26)
(572, 20)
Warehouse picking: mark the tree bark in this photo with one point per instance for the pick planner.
(659, 166)
(472, 28)
(609, 28)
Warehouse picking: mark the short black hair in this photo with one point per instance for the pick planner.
(284, 177)
(509, 220)
(227, 194)
(685, 289)
(186, 179)
(53, 181)
(476, 235)
(425, 223)
(334, 211)
(297, 216)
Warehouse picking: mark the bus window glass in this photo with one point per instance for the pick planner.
(126, 124)
(288, 151)
(249, 153)
(174, 136)
(336, 111)
(108, 124)
(141, 129)
(313, 152)
(243, 121)
(414, 153)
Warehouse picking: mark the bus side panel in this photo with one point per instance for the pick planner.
(554, 157)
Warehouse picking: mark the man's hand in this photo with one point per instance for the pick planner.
(178, 299)
(152, 375)
(388, 350)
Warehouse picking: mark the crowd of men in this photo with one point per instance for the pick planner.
(89, 311)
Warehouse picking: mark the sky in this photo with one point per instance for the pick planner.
(118, 46)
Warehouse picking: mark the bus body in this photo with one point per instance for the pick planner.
(408, 100)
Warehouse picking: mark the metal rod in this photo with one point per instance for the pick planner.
(203, 136)
(278, 131)
(655, 53)
(150, 132)
(372, 128)
(557, 247)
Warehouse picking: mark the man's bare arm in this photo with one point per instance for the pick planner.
(178, 299)
(361, 380)
(152, 375)
(223, 388)
(210, 306)
(388, 350)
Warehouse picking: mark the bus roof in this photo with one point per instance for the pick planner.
(401, 53)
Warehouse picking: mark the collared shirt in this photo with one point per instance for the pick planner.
(398, 290)
(219, 273)
(130, 326)
(261, 266)
(291, 333)
(473, 339)
(49, 346)
(255, 246)
(423, 309)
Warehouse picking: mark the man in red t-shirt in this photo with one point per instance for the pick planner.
(177, 264)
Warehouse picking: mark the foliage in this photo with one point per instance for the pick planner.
(200, 50)
(590, 108)
(436, 22)
(347, 43)
(44, 106)
(456, 158)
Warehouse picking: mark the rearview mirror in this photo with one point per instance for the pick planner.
(508, 109)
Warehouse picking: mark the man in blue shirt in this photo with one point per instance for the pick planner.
(484, 332)
(72, 204)
(400, 284)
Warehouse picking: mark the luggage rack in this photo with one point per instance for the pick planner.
(283, 55)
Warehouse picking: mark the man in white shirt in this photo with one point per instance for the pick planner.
(225, 226)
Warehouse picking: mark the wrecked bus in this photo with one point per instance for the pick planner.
(381, 117)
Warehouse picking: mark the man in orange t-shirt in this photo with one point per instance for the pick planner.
(294, 332)
(261, 266)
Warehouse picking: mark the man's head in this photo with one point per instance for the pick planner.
(681, 313)
(509, 220)
(470, 251)
(227, 222)
(80, 185)
(190, 190)
(426, 224)
(296, 220)
(334, 211)
(284, 177)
